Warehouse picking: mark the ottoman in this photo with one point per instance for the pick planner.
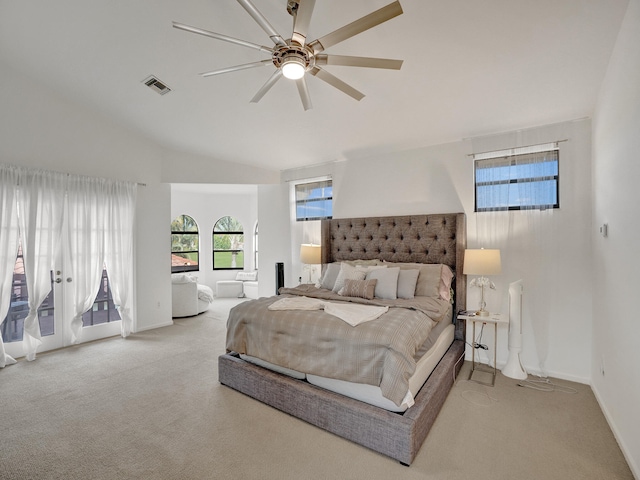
(229, 289)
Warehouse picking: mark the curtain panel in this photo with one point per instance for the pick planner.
(40, 208)
(526, 237)
(98, 217)
(8, 245)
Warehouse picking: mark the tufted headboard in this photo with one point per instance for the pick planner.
(437, 238)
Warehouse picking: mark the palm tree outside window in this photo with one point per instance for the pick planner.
(228, 244)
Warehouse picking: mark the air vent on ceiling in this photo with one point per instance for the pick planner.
(156, 85)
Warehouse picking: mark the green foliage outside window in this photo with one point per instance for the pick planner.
(185, 244)
(228, 244)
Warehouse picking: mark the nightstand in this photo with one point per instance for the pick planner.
(492, 318)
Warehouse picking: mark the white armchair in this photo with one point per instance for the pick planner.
(188, 298)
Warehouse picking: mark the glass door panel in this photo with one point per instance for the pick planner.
(13, 326)
(100, 321)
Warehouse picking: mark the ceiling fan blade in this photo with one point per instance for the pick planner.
(224, 38)
(348, 61)
(354, 28)
(301, 83)
(263, 22)
(267, 86)
(336, 82)
(244, 66)
(302, 21)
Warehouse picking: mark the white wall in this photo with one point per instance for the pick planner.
(206, 208)
(274, 234)
(440, 179)
(41, 129)
(182, 167)
(616, 197)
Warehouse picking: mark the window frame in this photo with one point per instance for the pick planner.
(302, 187)
(510, 159)
(227, 232)
(255, 247)
(185, 268)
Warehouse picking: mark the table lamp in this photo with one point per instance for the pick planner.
(482, 262)
(310, 255)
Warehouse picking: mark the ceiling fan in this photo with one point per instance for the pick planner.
(295, 57)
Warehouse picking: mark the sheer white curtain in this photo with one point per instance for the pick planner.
(86, 227)
(119, 235)
(8, 245)
(99, 215)
(40, 214)
(526, 237)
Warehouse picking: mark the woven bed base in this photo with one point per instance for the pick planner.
(398, 436)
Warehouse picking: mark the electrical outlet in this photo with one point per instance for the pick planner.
(158, 304)
(602, 365)
(604, 229)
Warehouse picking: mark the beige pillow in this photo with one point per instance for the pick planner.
(363, 263)
(359, 288)
(434, 279)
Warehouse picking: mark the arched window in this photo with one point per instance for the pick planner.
(185, 246)
(228, 244)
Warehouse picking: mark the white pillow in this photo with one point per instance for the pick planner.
(407, 280)
(182, 278)
(387, 286)
(247, 276)
(328, 280)
(347, 272)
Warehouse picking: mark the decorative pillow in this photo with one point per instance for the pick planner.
(364, 263)
(446, 277)
(328, 280)
(434, 279)
(407, 280)
(347, 272)
(359, 288)
(368, 268)
(387, 286)
(182, 278)
(247, 276)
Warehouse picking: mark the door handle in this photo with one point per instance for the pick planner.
(68, 279)
(58, 280)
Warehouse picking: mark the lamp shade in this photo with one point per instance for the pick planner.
(310, 254)
(482, 262)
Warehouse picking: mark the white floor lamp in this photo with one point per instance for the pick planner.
(513, 368)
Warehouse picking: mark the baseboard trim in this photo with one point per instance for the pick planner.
(635, 470)
(153, 327)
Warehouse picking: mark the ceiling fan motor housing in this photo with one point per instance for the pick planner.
(293, 54)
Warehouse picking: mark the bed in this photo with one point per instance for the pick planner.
(395, 432)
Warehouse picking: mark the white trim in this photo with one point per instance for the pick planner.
(509, 152)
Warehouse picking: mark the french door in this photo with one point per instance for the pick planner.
(56, 311)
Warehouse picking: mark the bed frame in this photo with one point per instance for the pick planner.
(437, 238)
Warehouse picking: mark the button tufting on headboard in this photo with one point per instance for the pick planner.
(435, 238)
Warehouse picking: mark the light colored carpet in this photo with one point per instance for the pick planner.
(150, 407)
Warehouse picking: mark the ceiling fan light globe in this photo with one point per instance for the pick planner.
(293, 69)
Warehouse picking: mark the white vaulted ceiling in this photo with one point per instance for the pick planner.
(470, 68)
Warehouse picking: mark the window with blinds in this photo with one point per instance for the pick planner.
(314, 200)
(517, 179)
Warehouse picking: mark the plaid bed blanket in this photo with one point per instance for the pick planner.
(379, 352)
